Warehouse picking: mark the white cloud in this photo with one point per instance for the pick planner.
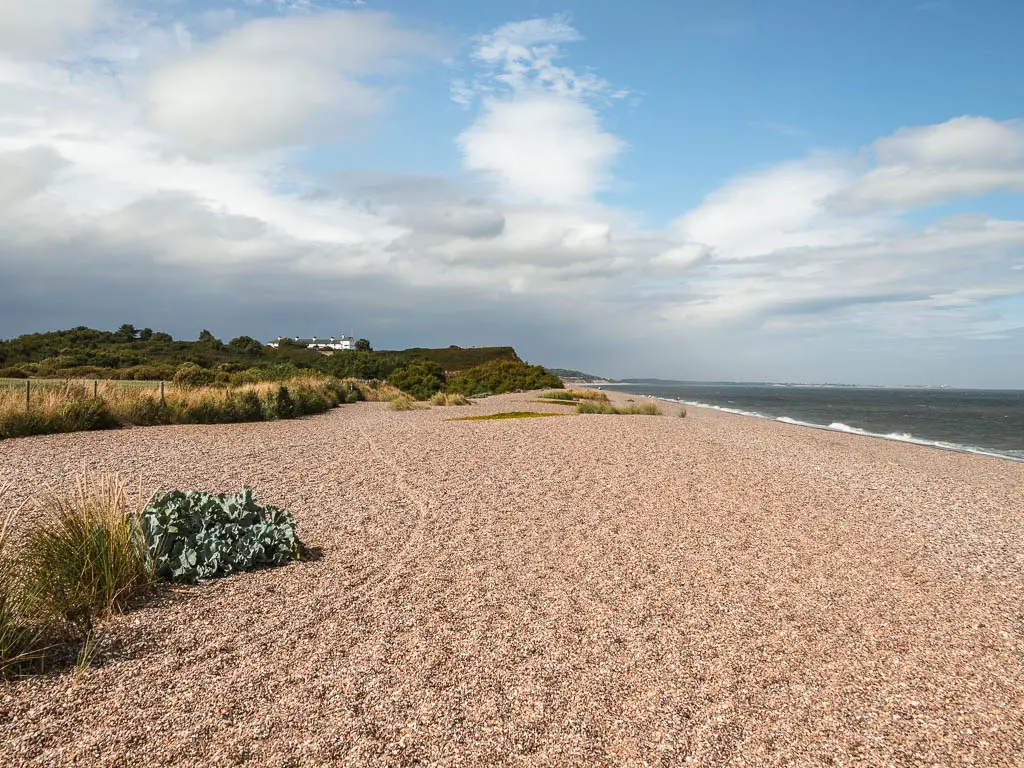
(546, 147)
(539, 135)
(787, 250)
(963, 157)
(282, 81)
(36, 28)
(776, 209)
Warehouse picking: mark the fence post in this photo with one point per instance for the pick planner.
(28, 385)
(227, 393)
(95, 389)
(161, 393)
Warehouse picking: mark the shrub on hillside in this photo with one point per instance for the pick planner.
(499, 376)
(420, 379)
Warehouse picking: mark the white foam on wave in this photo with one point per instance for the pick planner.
(838, 426)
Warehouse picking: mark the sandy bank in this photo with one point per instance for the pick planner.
(589, 590)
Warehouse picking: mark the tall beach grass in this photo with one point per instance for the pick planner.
(647, 409)
(74, 406)
(86, 558)
(19, 638)
(576, 395)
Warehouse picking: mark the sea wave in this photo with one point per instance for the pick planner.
(838, 426)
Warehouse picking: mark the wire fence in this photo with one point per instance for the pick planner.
(98, 387)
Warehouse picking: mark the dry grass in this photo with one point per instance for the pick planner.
(403, 402)
(73, 406)
(376, 392)
(448, 399)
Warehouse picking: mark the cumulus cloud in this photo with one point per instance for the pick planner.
(963, 157)
(275, 82)
(539, 135)
(776, 209)
(36, 28)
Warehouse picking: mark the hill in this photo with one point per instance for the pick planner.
(144, 354)
(566, 373)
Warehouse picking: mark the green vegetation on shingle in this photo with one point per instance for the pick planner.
(508, 415)
(647, 409)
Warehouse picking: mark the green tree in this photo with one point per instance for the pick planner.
(127, 332)
(362, 345)
(246, 344)
(145, 334)
(160, 336)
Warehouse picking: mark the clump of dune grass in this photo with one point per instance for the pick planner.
(449, 399)
(377, 391)
(86, 558)
(575, 395)
(19, 639)
(405, 403)
(508, 415)
(647, 409)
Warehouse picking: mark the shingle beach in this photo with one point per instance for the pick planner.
(588, 590)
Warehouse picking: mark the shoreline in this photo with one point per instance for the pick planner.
(836, 427)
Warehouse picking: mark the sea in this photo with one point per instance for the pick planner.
(982, 421)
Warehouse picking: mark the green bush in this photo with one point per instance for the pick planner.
(284, 408)
(190, 375)
(246, 406)
(420, 379)
(197, 535)
(145, 412)
(84, 415)
(23, 424)
(499, 376)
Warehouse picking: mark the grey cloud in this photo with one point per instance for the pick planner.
(28, 172)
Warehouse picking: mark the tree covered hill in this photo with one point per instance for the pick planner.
(143, 354)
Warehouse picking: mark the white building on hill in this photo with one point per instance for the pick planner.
(316, 342)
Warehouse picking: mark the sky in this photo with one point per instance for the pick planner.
(739, 190)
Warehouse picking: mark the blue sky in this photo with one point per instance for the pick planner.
(787, 191)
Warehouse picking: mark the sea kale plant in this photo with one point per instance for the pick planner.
(197, 535)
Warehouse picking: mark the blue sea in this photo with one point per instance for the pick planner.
(989, 422)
